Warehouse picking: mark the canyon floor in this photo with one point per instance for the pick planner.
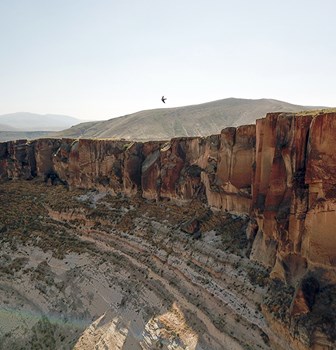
(87, 270)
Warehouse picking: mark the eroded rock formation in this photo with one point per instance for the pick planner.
(281, 171)
(294, 193)
(218, 167)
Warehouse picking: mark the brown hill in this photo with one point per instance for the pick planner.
(195, 120)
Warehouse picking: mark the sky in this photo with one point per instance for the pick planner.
(99, 59)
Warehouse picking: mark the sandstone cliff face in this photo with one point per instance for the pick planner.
(294, 208)
(17, 160)
(99, 164)
(294, 193)
(319, 243)
(280, 193)
(217, 168)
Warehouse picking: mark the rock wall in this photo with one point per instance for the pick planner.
(217, 169)
(282, 171)
(294, 193)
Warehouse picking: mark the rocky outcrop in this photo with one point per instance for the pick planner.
(100, 164)
(294, 207)
(305, 296)
(293, 194)
(17, 160)
(217, 169)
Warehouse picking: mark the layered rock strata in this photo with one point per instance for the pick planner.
(86, 270)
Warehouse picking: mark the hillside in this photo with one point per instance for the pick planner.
(5, 127)
(23, 121)
(195, 120)
(21, 135)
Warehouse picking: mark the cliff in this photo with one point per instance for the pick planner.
(281, 171)
(293, 197)
(217, 168)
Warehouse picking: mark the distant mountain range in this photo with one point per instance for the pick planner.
(23, 121)
(154, 124)
(195, 120)
(5, 127)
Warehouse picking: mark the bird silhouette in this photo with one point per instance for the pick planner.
(163, 99)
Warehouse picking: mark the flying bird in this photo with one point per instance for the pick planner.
(163, 99)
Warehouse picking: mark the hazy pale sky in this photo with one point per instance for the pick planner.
(98, 59)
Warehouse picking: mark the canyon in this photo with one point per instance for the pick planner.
(218, 242)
